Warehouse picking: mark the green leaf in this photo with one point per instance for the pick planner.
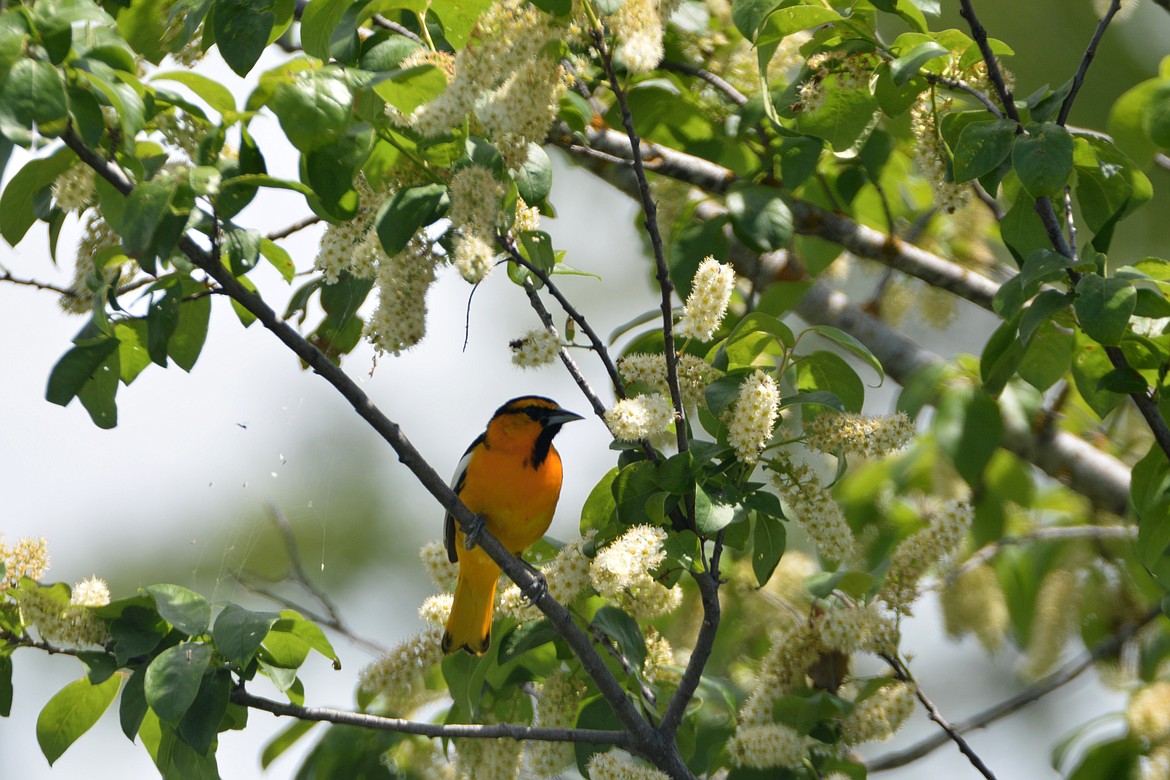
(842, 118)
(186, 342)
(782, 22)
(769, 540)
(525, 637)
(1043, 158)
(459, 17)
(1104, 306)
(634, 485)
(77, 367)
(535, 176)
(318, 22)
(595, 713)
(1090, 363)
(411, 209)
(33, 102)
(285, 739)
(243, 249)
(238, 633)
(981, 147)
(408, 88)
(853, 583)
(711, 516)
(1156, 115)
(314, 106)
(278, 258)
(242, 30)
(747, 16)
(1048, 356)
(909, 64)
(18, 204)
(600, 507)
(173, 678)
(1001, 356)
(968, 428)
(71, 712)
(211, 91)
(760, 217)
(200, 725)
(5, 684)
(184, 609)
(798, 159)
(293, 623)
(624, 631)
(851, 344)
(827, 371)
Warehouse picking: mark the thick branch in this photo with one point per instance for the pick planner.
(619, 739)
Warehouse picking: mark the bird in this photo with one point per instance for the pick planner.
(510, 477)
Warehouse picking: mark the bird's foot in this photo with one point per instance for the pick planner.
(474, 530)
(538, 587)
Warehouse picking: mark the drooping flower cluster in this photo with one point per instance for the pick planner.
(850, 630)
(973, 602)
(878, 717)
(859, 434)
(622, 572)
(1148, 713)
(638, 26)
(180, 130)
(1055, 620)
(439, 567)
(352, 245)
(27, 558)
(930, 153)
(67, 623)
(398, 675)
(537, 347)
(641, 417)
(489, 759)
(753, 416)
(707, 303)
(556, 707)
(649, 370)
(74, 189)
(96, 237)
(811, 504)
(767, 745)
(567, 577)
(475, 205)
(520, 111)
(912, 558)
(660, 665)
(618, 765)
(400, 321)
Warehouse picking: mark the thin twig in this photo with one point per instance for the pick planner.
(1052, 682)
(443, 731)
(1054, 534)
(295, 227)
(962, 86)
(902, 672)
(721, 85)
(1086, 60)
(6, 276)
(395, 27)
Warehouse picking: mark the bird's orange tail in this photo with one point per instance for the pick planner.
(470, 625)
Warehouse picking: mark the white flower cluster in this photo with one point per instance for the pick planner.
(859, 434)
(74, 189)
(973, 602)
(782, 669)
(400, 321)
(475, 206)
(556, 707)
(753, 416)
(96, 236)
(487, 759)
(618, 765)
(912, 558)
(1148, 713)
(879, 716)
(439, 568)
(436, 609)
(567, 577)
(1101, 7)
(694, 374)
(811, 504)
(850, 630)
(508, 36)
(707, 304)
(520, 111)
(622, 572)
(638, 26)
(767, 745)
(931, 155)
(660, 665)
(537, 347)
(27, 558)
(180, 130)
(398, 675)
(641, 417)
(352, 245)
(1055, 619)
(72, 624)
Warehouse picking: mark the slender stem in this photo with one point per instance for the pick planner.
(959, 85)
(395, 27)
(650, 210)
(1054, 534)
(720, 84)
(1086, 60)
(6, 276)
(295, 227)
(444, 731)
(902, 672)
(994, 74)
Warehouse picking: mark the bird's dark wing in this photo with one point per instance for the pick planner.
(457, 485)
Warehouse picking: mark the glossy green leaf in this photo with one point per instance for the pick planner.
(278, 258)
(214, 93)
(1048, 356)
(1043, 158)
(769, 540)
(760, 217)
(32, 102)
(782, 22)
(458, 17)
(317, 25)
(534, 178)
(600, 507)
(624, 631)
(411, 209)
(849, 343)
(968, 428)
(183, 608)
(173, 678)
(71, 712)
(710, 515)
(293, 623)
(200, 725)
(525, 637)
(841, 118)
(238, 632)
(314, 106)
(242, 29)
(909, 64)
(408, 88)
(829, 372)
(981, 147)
(18, 204)
(749, 14)
(77, 367)
(1104, 306)
(1156, 115)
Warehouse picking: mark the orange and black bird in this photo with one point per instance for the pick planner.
(510, 477)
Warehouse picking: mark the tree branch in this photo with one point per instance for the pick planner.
(1052, 534)
(619, 739)
(1086, 60)
(721, 85)
(1052, 682)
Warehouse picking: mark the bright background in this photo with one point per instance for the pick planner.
(177, 492)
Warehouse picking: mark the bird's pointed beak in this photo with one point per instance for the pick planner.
(560, 417)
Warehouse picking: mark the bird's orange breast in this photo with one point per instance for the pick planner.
(516, 500)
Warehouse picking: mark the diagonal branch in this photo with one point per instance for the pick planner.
(1086, 60)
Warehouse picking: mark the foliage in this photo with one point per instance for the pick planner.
(810, 134)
